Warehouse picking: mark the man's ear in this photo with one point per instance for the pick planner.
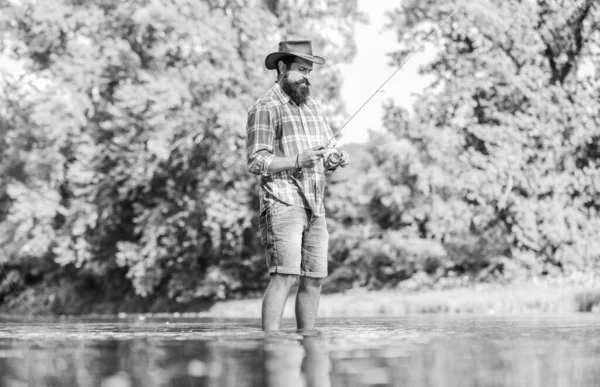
(281, 67)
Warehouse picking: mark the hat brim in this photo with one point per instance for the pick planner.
(271, 59)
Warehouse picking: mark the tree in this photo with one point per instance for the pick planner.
(496, 174)
(124, 137)
(510, 117)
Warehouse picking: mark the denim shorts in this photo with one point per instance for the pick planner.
(296, 240)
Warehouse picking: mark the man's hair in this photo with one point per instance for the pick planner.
(287, 61)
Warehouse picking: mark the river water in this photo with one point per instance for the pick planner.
(428, 350)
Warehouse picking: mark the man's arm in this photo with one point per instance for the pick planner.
(279, 164)
(260, 131)
(260, 135)
(307, 159)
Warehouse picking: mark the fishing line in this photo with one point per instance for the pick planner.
(412, 53)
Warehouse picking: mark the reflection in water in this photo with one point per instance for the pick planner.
(418, 351)
(296, 362)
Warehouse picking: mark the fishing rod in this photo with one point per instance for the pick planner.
(391, 76)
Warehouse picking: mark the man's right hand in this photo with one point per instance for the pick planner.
(310, 157)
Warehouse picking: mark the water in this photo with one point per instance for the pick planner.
(411, 351)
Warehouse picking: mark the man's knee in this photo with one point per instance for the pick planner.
(287, 280)
(311, 283)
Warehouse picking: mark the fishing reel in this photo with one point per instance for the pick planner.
(332, 159)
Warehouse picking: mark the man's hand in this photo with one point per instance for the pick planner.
(310, 157)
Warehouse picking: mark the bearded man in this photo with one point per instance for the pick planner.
(287, 135)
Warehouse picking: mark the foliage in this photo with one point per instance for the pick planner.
(122, 148)
(123, 135)
(497, 171)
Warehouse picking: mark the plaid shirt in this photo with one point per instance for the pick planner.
(277, 127)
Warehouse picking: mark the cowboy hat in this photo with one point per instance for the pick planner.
(299, 48)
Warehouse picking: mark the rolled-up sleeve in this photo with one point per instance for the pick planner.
(260, 134)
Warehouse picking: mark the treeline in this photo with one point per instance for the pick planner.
(123, 139)
(122, 133)
(496, 175)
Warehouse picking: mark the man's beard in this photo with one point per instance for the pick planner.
(297, 91)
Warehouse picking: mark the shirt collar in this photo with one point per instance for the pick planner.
(283, 97)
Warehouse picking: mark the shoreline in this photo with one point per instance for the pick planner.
(481, 299)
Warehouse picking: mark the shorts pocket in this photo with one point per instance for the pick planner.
(263, 225)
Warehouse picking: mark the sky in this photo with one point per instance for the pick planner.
(369, 70)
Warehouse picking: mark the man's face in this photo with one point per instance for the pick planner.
(295, 81)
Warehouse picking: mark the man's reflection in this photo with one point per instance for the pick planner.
(296, 360)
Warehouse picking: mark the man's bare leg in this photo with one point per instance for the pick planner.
(307, 302)
(275, 299)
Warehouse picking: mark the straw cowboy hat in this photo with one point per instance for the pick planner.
(299, 48)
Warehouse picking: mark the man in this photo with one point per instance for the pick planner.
(286, 136)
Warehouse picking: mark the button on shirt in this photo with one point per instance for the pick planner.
(277, 127)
